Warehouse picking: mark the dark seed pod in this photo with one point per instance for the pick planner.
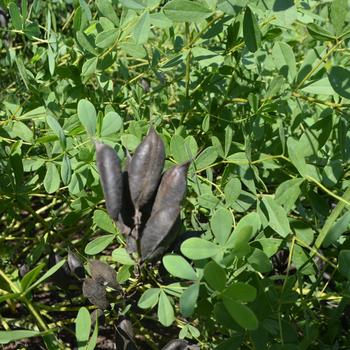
(180, 344)
(23, 270)
(61, 277)
(156, 236)
(103, 274)
(127, 211)
(99, 315)
(145, 169)
(125, 336)
(75, 265)
(95, 292)
(108, 165)
(172, 188)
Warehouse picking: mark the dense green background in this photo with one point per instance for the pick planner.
(255, 92)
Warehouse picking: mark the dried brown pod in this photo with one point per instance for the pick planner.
(75, 265)
(145, 169)
(109, 167)
(103, 273)
(156, 236)
(125, 336)
(95, 292)
(172, 188)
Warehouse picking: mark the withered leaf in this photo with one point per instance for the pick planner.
(95, 292)
(103, 273)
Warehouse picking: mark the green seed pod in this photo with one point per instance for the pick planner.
(95, 292)
(145, 169)
(172, 188)
(157, 234)
(103, 274)
(108, 165)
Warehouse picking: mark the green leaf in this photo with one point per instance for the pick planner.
(112, 123)
(47, 274)
(66, 170)
(121, 256)
(206, 158)
(98, 244)
(241, 314)
(57, 129)
(87, 116)
(319, 87)
(142, 28)
(15, 16)
(232, 190)
(178, 149)
(251, 31)
(188, 300)
(104, 221)
(11, 336)
(165, 310)
(239, 239)
(107, 38)
(133, 4)
(284, 59)
(93, 340)
(179, 267)
(344, 263)
(149, 298)
(82, 327)
(240, 291)
(107, 10)
(339, 10)
(319, 33)
(186, 11)
(89, 67)
(199, 248)
(22, 131)
(288, 192)
(341, 226)
(277, 217)
(86, 43)
(30, 276)
(339, 78)
(259, 261)
(215, 276)
(221, 225)
(52, 178)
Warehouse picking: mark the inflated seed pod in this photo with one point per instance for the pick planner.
(103, 273)
(172, 188)
(180, 344)
(125, 336)
(127, 210)
(156, 237)
(95, 292)
(62, 276)
(108, 165)
(145, 169)
(99, 315)
(75, 265)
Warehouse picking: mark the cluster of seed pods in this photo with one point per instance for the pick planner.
(143, 202)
